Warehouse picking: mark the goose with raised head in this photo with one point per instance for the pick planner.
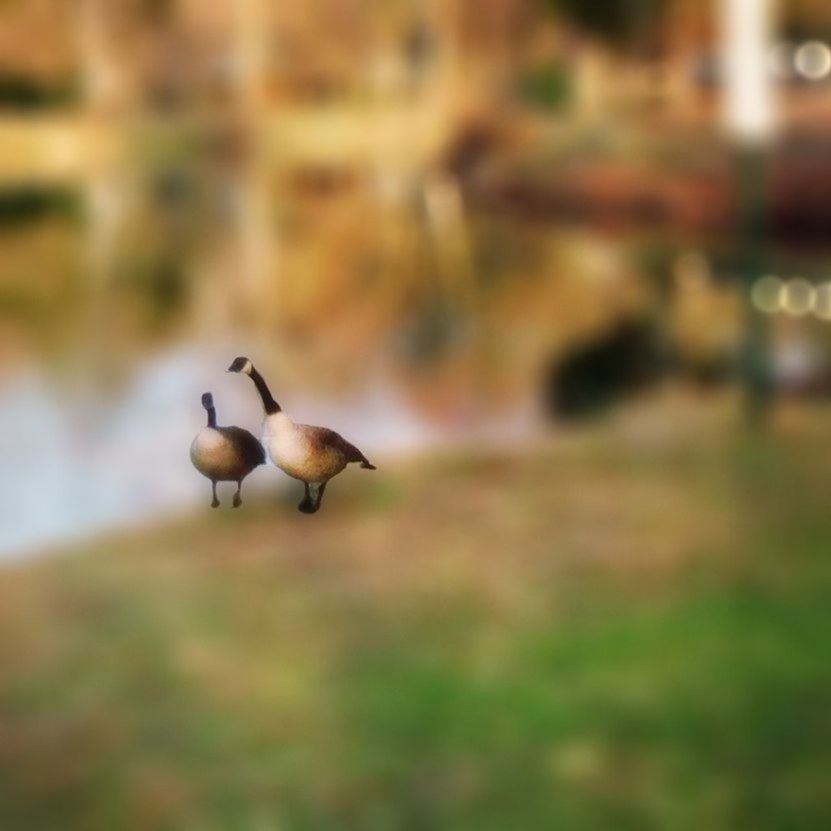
(224, 454)
(311, 454)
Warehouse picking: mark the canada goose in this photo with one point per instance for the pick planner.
(224, 454)
(311, 454)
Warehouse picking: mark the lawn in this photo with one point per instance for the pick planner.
(621, 627)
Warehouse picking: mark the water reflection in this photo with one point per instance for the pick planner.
(439, 324)
(402, 301)
(77, 462)
(80, 463)
(123, 302)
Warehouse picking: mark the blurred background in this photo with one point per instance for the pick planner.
(561, 269)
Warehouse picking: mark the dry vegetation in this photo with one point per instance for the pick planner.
(621, 628)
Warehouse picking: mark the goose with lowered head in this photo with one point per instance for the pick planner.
(311, 454)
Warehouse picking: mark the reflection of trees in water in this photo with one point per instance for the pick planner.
(24, 205)
(365, 275)
(372, 264)
(40, 267)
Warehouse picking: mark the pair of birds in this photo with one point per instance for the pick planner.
(311, 454)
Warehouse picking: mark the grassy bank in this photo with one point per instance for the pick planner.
(621, 629)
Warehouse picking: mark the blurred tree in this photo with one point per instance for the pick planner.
(24, 92)
(158, 12)
(618, 22)
(546, 87)
(593, 375)
(25, 204)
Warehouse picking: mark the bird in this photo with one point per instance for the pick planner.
(311, 454)
(224, 454)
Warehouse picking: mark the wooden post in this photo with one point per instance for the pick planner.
(749, 118)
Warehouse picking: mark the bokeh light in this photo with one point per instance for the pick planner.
(798, 297)
(813, 60)
(768, 294)
(822, 301)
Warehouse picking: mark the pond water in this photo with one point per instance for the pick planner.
(76, 464)
(403, 323)
(120, 312)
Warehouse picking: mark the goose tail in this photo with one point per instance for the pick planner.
(354, 455)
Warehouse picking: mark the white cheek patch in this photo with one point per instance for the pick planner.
(248, 366)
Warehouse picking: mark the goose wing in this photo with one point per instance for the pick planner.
(324, 437)
(247, 444)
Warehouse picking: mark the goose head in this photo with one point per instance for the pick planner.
(241, 364)
(244, 365)
(208, 404)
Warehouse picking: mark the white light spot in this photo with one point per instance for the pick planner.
(822, 301)
(768, 294)
(813, 60)
(799, 297)
(747, 28)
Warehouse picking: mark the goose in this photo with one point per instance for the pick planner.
(224, 454)
(311, 454)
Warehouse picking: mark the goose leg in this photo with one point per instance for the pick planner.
(215, 502)
(306, 506)
(319, 495)
(238, 495)
(311, 501)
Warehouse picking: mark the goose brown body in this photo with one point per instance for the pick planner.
(303, 451)
(224, 454)
(311, 454)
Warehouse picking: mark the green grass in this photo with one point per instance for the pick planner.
(609, 632)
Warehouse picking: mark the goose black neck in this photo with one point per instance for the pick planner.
(269, 404)
(211, 416)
